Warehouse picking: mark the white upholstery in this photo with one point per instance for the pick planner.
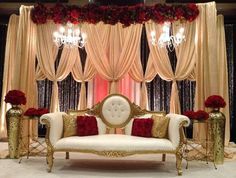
(174, 124)
(128, 127)
(102, 128)
(114, 142)
(116, 110)
(56, 123)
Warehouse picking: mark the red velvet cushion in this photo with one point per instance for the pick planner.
(87, 125)
(142, 127)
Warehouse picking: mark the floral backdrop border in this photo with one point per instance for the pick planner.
(126, 15)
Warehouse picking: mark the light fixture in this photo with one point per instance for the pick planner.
(69, 36)
(166, 38)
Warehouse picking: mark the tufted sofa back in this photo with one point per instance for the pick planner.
(116, 111)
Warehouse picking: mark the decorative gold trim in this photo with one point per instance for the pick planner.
(179, 152)
(115, 154)
(50, 149)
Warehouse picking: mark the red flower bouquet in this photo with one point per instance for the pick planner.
(201, 115)
(190, 114)
(32, 112)
(198, 115)
(15, 97)
(215, 101)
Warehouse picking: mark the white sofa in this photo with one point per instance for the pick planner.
(115, 111)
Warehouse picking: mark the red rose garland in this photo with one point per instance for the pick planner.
(126, 15)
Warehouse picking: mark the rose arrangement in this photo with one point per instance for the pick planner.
(15, 97)
(198, 115)
(215, 101)
(126, 15)
(31, 112)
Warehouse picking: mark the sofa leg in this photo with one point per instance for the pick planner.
(163, 157)
(50, 160)
(179, 163)
(67, 155)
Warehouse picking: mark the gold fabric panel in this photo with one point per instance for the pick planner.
(160, 126)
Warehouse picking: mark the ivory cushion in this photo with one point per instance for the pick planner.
(160, 126)
(113, 142)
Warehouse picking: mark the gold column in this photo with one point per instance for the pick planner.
(13, 117)
(218, 135)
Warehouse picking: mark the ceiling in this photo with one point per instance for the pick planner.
(225, 7)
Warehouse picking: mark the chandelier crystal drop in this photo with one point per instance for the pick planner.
(166, 39)
(69, 36)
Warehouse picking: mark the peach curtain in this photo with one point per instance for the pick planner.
(223, 73)
(206, 65)
(161, 62)
(83, 76)
(137, 74)
(47, 53)
(112, 49)
(9, 67)
(24, 72)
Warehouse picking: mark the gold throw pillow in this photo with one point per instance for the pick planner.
(69, 125)
(160, 126)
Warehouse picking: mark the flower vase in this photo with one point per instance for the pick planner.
(217, 127)
(13, 119)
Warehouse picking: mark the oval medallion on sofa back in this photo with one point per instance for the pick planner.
(116, 111)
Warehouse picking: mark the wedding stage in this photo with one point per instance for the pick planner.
(92, 166)
(112, 50)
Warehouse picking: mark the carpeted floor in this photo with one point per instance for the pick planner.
(92, 166)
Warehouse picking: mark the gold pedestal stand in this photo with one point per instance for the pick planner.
(31, 144)
(200, 149)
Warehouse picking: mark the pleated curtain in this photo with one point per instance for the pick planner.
(9, 68)
(112, 50)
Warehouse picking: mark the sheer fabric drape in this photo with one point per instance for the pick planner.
(83, 76)
(10, 57)
(223, 73)
(112, 49)
(137, 74)
(161, 62)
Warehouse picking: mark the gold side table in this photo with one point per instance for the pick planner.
(201, 150)
(30, 143)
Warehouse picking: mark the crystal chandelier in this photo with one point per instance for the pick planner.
(166, 39)
(70, 36)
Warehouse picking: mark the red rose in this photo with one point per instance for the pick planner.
(31, 112)
(42, 111)
(215, 101)
(201, 115)
(189, 114)
(15, 97)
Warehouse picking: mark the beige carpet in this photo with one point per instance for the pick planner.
(92, 166)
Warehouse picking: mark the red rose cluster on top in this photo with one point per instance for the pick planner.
(126, 15)
(36, 112)
(198, 115)
(15, 97)
(215, 101)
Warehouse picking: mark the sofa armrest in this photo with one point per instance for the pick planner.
(54, 122)
(176, 121)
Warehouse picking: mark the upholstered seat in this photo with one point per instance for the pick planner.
(108, 142)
